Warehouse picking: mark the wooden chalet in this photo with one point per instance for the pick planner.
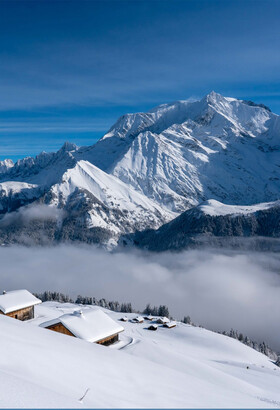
(138, 319)
(92, 325)
(149, 317)
(18, 304)
(169, 325)
(153, 327)
(163, 320)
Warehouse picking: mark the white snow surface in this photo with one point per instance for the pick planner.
(91, 325)
(15, 187)
(182, 367)
(5, 165)
(17, 299)
(216, 208)
(114, 194)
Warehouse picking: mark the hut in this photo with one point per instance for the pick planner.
(124, 319)
(92, 325)
(138, 319)
(163, 320)
(149, 317)
(170, 324)
(153, 327)
(18, 304)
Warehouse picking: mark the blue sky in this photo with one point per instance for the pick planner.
(69, 69)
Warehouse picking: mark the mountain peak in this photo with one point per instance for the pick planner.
(68, 146)
(213, 98)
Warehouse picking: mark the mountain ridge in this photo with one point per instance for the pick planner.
(167, 160)
(217, 225)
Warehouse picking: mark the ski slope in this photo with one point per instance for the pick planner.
(183, 367)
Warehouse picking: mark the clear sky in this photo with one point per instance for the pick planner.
(69, 69)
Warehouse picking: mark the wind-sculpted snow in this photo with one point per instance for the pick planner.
(150, 167)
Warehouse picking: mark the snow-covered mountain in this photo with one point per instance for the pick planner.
(187, 152)
(183, 367)
(149, 168)
(213, 223)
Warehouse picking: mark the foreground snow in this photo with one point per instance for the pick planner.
(180, 367)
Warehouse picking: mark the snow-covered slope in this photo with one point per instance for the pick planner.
(215, 208)
(115, 205)
(6, 165)
(150, 167)
(86, 205)
(14, 194)
(216, 224)
(170, 368)
(183, 153)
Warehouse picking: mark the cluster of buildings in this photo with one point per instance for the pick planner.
(92, 325)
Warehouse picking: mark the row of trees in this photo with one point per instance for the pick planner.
(85, 300)
(260, 347)
(54, 296)
(115, 306)
(162, 310)
(112, 305)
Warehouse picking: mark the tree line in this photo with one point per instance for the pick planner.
(115, 306)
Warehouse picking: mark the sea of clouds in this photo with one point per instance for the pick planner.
(217, 289)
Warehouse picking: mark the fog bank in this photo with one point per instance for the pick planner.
(219, 290)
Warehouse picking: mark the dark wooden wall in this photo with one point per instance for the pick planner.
(109, 340)
(21, 314)
(60, 328)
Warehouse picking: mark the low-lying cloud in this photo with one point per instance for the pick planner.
(219, 290)
(29, 213)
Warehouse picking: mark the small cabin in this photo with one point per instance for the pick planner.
(169, 325)
(138, 319)
(124, 319)
(163, 320)
(92, 325)
(18, 304)
(153, 327)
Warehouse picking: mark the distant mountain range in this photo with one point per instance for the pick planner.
(148, 170)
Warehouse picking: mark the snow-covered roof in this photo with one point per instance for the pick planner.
(17, 299)
(91, 325)
(163, 320)
(138, 319)
(170, 324)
